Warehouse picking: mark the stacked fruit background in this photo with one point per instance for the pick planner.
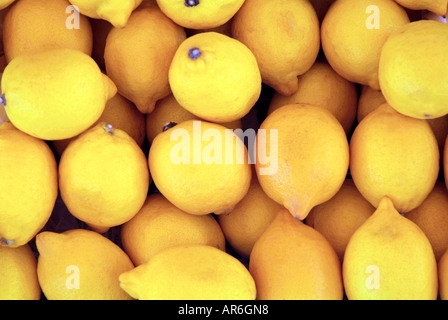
(223, 150)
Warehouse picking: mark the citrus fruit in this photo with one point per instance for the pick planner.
(285, 51)
(55, 94)
(103, 177)
(28, 185)
(215, 77)
(302, 157)
(190, 272)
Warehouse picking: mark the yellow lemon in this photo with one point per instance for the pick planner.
(56, 30)
(117, 12)
(200, 167)
(215, 77)
(80, 265)
(18, 274)
(389, 258)
(292, 261)
(284, 37)
(200, 14)
(138, 56)
(249, 219)
(419, 89)
(302, 157)
(323, 87)
(159, 225)
(104, 177)
(28, 185)
(56, 94)
(396, 156)
(353, 34)
(190, 272)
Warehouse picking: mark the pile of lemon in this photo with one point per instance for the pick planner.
(111, 106)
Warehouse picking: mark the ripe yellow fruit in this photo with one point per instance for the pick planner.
(310, 152)
(28, 185)
(167, 111)
(160, 225)
(121, 114)
(389, 258)
(137, 66)
(80, 264)
(52, 21)
(396, 156)
(104, 177)
(292, 261)
(249, 219)
(190, 272)
(18, 274)
(371, 99)
(215, 77)
(439, 7)
(5, 3)
(117, 12)
(338, 218)
(353, 33)
(432, 217)
(200, 14)
(200, 167)
(419, 90)
(323, 87)
(56, 94)
(285, 51)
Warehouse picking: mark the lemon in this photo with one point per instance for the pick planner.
(18, 274)
(396, 156)
(200, 167)
(389, 258)
(104, 177)
(138, 56)
(284, 37)
(55, 94)
(215, 77)
(190, 272)
(419, 89)
(292, 261)
(304, 159)
(28, 185)
(80, 264)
